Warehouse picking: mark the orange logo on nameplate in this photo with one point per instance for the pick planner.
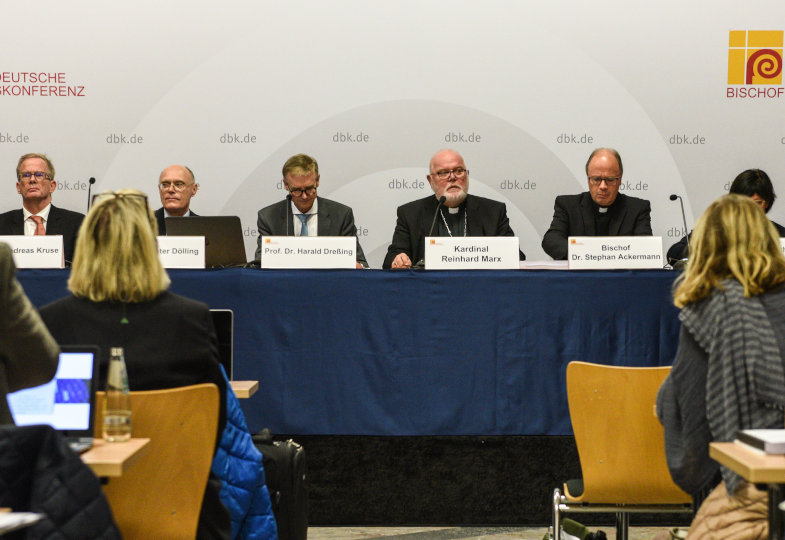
(755, 57)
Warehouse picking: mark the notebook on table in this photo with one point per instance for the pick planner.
(223, 237)
(67, 402)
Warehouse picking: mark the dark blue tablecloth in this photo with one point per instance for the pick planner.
(371, 352)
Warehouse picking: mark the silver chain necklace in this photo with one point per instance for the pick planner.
(465, 228)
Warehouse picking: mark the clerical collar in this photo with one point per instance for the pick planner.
(603, 209)
(454, 210)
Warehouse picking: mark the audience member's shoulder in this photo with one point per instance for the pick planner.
(178, 302)
(61, 305)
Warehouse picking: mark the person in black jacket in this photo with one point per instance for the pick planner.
(35, 182)
(120, 299)
(601, 211)
(176, 185)
(753, 183)
(461, 214)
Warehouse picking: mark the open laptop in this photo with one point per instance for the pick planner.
(223, 237)
(67, 402)
(223, 320)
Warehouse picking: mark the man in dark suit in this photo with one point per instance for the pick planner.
(461, 214)
(601, 211)
(35, 182)
(308, 214)
(176, 185)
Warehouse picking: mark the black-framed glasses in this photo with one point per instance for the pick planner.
(178, 185)
(38, 175)
(458, 172)
(310, 190)
(98, 197)
(609, 180)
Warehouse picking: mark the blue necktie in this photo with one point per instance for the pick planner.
(304, 227)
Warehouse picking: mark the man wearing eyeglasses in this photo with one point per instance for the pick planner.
(35, 182)
(461, 214)
(176, 185)
(601, 211)
(307, 214)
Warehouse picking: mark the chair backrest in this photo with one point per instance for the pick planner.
(160, 495)
(619, 438)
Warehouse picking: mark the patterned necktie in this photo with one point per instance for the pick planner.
(39, 225)
(304, 227)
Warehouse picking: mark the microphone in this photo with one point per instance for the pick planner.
(673, 197)
(288, 211)
(89, 189)
(421, 262)
(438, 206)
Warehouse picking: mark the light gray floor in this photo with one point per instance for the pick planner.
(463, 533)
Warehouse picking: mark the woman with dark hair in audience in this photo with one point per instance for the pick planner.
(120, 299)
(729, 371)
(753, 183)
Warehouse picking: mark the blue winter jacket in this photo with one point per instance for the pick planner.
(238, 464)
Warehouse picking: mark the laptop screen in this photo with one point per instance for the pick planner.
(223, 237)
(66, 402)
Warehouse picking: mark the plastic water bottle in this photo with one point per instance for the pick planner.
(117, 405)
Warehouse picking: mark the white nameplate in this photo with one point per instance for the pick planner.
(181, 251)
(36, 251)
(614, 252)
(471, 253)
(309, 252)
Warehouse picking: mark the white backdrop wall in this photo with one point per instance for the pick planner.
(525, 90)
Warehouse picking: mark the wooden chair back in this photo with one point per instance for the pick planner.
(160, 496)
(619, 438)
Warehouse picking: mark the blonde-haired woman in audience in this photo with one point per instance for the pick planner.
(729, 371)
(120, 299)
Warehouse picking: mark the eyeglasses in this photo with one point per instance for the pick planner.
(178, 185)
(38, 175)
(609, 180)
(310, 190)
(98, 197)
(458, 172)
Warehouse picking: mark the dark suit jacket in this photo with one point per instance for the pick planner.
(680, 250)
(169, 342)
(160, 218)
(574, 215)
(485, 217)
(335, 219)
(61, 221)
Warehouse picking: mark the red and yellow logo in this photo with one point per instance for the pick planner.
(755, 57)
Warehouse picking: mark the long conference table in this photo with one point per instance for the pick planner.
(412, 352)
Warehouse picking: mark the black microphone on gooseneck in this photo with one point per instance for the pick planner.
(438, 206)
(89, 189)
(288, 211)
(421, 262)
(677, 264)
(673, 197)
